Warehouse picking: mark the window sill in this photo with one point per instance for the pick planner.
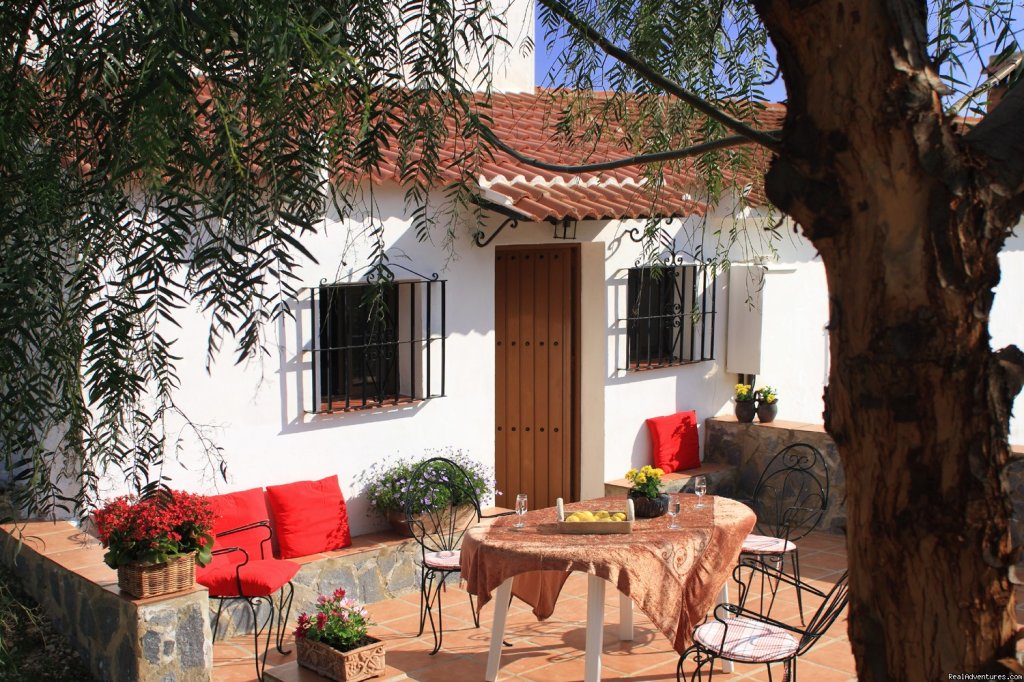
(338, 406)
(637, 367)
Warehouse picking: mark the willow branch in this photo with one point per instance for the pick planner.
(1002, 72)
(650, 74)
(654, 157)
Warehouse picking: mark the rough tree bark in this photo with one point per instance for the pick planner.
(909, 217)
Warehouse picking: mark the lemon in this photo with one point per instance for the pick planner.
(572, 518)
(601, 515)
(618, 516)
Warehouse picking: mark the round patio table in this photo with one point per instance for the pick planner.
(673, 576)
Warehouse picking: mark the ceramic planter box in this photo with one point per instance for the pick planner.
(347, 666)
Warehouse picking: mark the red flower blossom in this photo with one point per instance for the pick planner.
(155, 528)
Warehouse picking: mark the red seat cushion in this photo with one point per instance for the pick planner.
(674, 441)
(309, 517)
(234, 510)
(260, 578)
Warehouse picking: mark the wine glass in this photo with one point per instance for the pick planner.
(700, 487)
(673, 510)
(522, 506)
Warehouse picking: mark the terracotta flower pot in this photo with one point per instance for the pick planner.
(745, 411)
(347, 666)
(649, 507)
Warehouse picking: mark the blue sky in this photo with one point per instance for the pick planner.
(775, 92)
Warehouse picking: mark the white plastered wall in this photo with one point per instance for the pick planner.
(794, 351)
(256, 412)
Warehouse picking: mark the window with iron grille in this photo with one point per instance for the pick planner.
(377, 344)
(671, 316)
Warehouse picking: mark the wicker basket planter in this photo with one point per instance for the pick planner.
(347, 666)
(150, 580)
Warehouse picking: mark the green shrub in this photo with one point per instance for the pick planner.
(387, 484)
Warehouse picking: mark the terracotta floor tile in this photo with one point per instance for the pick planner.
(833, 654)
(462, 670)
(552, 650)
(566, 670)
(827, 560)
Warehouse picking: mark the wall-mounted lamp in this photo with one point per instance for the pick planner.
(566, 229)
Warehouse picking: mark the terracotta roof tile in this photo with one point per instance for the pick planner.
(526, 123)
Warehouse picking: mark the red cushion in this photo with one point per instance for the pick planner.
(234, 510)
(259, 578)
(674, 441)
(309, 517)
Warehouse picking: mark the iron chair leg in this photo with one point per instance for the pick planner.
(438, 628)
(284, 609)
(268, 625)
(779, 563)
(701, 657)
(216, 619)
(426, 584)
(476, 614)
(799, 586)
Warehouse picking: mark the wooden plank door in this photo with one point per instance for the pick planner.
(537, 385)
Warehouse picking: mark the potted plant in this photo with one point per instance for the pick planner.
(767, 404)
(745, 407)
(155, 541)
(388, 485)
(648, 500)
(334, 640)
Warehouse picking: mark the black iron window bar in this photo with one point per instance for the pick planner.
(671, 312)
(377, 342)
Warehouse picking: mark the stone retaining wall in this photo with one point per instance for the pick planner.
(122, 639)
(169, 638)
(376, 567)
(749, 447)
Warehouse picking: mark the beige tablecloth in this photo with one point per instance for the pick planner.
(673, 576)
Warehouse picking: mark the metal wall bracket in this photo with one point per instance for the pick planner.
(478, 236)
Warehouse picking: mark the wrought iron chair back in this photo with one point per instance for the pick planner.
(792, 495)
(441, 504)
(833, 605)
(712, 639)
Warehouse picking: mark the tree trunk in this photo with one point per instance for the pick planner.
(909, 229)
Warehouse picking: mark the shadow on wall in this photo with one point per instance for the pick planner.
(443, 308)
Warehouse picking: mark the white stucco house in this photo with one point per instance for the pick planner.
(542, 346)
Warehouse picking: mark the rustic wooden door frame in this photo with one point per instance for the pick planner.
(575, 459)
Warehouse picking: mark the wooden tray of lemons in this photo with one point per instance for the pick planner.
(602, 522)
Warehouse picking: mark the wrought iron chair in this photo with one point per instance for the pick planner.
(790, 500)
(745, 636)
(440, 504)
(234, 574)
